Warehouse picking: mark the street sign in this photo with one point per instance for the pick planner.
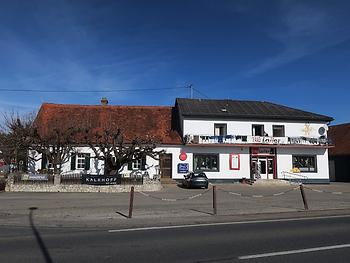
(182, 168)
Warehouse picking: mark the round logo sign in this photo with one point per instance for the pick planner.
(183, 156)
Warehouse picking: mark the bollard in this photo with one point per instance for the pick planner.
(131, 204)
(303, 196)
(214, 201)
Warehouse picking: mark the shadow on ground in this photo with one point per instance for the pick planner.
(39, 240)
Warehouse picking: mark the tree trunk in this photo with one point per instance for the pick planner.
(111, 168)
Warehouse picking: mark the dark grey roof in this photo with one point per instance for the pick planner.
(239, 109)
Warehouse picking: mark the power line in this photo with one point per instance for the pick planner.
(199, 92)
(87, 91)
(189, 87)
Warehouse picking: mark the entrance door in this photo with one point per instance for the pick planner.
(270, 167)
(262, 166)
(265, 168)
(165, 162)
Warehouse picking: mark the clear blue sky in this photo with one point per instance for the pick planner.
(294, 53)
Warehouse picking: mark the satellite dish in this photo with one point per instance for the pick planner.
(321, 131)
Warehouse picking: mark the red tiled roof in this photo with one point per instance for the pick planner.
(134, 121)
(340, 136)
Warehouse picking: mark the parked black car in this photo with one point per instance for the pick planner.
(193, 180)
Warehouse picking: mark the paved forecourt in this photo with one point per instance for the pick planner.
(171, 204)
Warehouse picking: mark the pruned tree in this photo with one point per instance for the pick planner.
(110, 146)
(53, 148)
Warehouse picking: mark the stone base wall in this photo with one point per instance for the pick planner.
(148, 185)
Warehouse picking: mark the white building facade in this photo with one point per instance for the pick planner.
(261, 141)
(231, 140)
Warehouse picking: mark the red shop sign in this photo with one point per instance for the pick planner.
(183, 156)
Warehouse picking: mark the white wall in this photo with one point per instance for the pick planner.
(206, 127)
(285, 162)
(224, 153)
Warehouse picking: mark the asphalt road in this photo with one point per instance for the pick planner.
(325, 239)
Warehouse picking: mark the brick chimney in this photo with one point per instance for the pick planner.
(104, 101)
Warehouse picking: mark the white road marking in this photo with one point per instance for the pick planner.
(226, 223)
(297, 251)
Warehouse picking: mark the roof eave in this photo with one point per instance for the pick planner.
(204, 116)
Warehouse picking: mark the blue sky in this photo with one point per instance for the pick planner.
(294, 53)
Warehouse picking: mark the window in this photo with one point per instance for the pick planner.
(80, 161)
(206, 162)
(136, 165)
(305, 163)
(46, 163)
(139, 164)
(50, 164)
(258, 130)
(278, 130)
(220, 129)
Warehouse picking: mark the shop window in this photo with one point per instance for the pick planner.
(278, 130)
(220, 129)
(305, 163)
(206, 162)
(258, 130)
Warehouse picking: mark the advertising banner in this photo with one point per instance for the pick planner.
(100, 179)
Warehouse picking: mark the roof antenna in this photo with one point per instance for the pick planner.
(191, 90)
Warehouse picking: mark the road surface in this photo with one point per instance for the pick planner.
(318, 239)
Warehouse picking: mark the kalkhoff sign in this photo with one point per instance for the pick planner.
(100, 179)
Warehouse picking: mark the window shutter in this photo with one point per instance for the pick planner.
(129, 165)
(143, 163)
(43, 161)
(87, 161)
(73, 158)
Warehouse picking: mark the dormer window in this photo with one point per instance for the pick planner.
(220, 129)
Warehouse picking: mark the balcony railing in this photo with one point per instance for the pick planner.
(248, 139)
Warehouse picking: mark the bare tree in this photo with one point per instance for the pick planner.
(53, 148)
(14, 138)
(110, 146)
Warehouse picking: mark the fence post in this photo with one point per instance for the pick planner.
(303, 196)
(57, 179)
(131, 203)
(214, 201)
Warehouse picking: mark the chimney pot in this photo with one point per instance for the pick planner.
(104, 101)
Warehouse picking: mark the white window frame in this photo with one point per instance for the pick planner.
(49, 164)
(136, 165)
(80, 165)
